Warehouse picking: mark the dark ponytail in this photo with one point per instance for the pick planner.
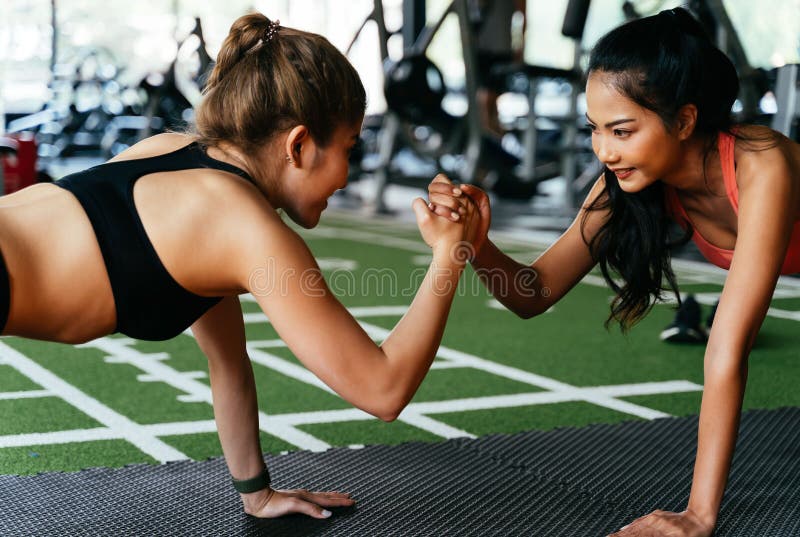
(661, 63)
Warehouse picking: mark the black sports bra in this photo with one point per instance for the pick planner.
(150, 304)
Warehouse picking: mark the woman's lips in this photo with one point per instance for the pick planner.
(623, 173)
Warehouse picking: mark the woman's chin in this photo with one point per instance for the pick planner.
(308, 217)
(631, 187)
(310, 220)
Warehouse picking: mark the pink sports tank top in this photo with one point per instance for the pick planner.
(719, 256)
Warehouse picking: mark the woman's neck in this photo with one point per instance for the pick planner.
(231, 154)
(697, 173)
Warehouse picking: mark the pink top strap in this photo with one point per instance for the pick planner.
(727, 145)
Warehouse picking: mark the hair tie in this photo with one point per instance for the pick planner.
(271, 31)
(269, 34)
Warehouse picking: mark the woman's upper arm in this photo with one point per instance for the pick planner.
(768, 200)
(282, 274)
(220, 331)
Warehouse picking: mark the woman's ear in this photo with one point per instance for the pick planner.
(687, 120)
(293, 146)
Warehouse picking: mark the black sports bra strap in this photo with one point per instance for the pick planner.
(218, 164)
(188, 157)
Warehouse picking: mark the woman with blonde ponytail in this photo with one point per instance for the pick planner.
(166, 235)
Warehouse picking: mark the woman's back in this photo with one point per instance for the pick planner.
(52, 250)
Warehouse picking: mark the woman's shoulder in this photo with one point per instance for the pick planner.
(155, 145)
(759, 140)
(218, 195)
(762, 153)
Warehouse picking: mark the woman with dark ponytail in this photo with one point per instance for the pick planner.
(166, 235)
(659, 97)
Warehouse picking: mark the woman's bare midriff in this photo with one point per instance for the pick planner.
(60, 289)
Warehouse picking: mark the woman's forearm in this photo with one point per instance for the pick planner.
(513, 284)
(719, 424)
(236, 413)
(411, 346)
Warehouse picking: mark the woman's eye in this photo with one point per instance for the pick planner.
(618, 132)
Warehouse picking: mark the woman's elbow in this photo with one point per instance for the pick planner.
(390, 416)
(385, 403)
(526, 311)
(388, 410)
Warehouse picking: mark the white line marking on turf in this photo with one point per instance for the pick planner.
(131, 431)
(538, 398)
(266, 343)
(535, 240)
(182, 427)
(565, 392)
(284, 367)
(29, 394)
(559, 391)
(373, 239)
(284, 425)
(429, 424)
(60, 437)
(414, 414)
(321, 416)
(784, 314)
(533, 379)
(120, 351)
(376, 311)
(334, 263)
(445, 364)
(531, 239)
(292, 435)
(597, 281)
(194, 390)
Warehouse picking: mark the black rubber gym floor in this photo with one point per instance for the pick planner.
(582, 482)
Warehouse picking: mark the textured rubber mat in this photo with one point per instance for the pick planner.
(580, 482)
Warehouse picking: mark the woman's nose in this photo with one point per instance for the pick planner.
(605, 151)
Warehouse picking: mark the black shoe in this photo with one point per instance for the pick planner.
(686, 327)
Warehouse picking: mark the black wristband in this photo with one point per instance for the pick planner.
(254, 484)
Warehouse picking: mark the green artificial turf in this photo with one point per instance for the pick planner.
(368, 432)
(568, 345)
(21, 416)
(69, 457)
(544, 417)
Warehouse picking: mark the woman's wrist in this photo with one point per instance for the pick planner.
(705, 515)
(254, 502)
(481, 251)
(452, 254)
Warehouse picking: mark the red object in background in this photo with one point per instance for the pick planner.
(18, 157)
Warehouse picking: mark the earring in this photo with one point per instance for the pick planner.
(289, 159)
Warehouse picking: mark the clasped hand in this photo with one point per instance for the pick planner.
(464, 211)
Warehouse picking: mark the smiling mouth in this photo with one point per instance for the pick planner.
(622, 173)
